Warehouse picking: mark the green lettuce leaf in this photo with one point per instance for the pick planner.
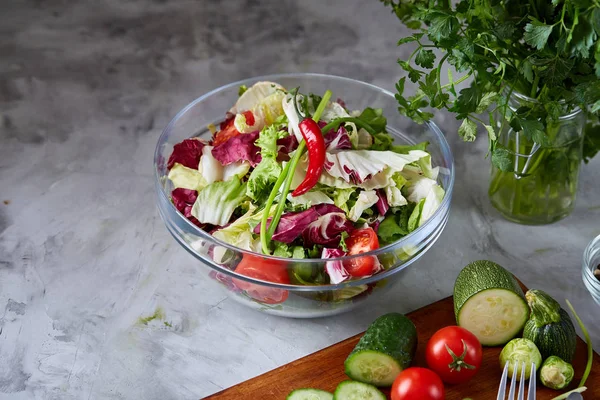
(186, 178)
(216, 202)
(262, 178)
(374, 117)
(366, 199)
(415, 216)
(395, 226)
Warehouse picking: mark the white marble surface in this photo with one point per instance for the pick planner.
(85, 89)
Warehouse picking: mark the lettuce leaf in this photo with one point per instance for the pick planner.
(240, 232)
(216, 202)
(395, 226)
(309, 199)
(186, 178)
(262, 178)
(415, 216)
(366, 199)
(267, 140)
(432, 202)
(374, 117)
(357, 166)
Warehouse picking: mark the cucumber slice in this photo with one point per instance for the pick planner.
(353, 390)
(489, 302)
(309, 394)
(387, 347)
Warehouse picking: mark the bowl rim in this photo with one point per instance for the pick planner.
(444, 148)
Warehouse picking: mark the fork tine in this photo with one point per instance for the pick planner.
(532, 383)
(521, 395)
(513, 382)
(502, 387)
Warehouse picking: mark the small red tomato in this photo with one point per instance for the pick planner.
(418, 383)
(266, 270)
(227, 131)
(454, 354)
(361, 241)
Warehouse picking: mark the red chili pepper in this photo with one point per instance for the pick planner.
(316, 155)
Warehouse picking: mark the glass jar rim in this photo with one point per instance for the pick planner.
(523, 97)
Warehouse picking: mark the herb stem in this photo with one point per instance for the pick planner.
(590, 349)
(264, 239)
(287, 175)
(534, 87)
(439, 72)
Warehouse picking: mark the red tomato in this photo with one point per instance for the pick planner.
(250, 121)
(362, 241)
(454, 354)
(265, 270)
(227, 131)
(418, 383)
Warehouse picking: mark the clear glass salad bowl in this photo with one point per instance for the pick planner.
(301, 301)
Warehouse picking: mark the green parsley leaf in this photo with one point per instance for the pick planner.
(491, 132)
(487, 100)
(242, 90)
(425, 58)
(441, 25)
(467, 130)
(537, 34)
(502, 159)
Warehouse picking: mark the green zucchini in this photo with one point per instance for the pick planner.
(555, 373)
(352, 390)
(489, 302)
(309, 394)
(387, 347)
(550, 327)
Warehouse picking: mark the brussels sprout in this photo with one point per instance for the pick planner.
(520, 351)
(556, 373)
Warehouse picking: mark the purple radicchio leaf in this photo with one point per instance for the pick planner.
(337, 140)
(335, 269)
(285, 146)
(238, 148)
(326, 230)
(184, 200)
(186, 153)
(292, 224)
(382, 203)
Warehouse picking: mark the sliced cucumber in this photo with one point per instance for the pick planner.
(353, 390)
(310, 394)
(489, 302)
(387, 347)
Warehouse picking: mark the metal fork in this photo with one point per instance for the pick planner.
(511, 392)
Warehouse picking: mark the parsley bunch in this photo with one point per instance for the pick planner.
(547, 50)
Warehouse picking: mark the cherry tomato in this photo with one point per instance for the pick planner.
(362, 241)
(418, 383)
(227, 131)
(454, 354)
(266, 270)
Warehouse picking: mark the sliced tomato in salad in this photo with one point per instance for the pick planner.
(258, 267)
(362, 241)
(227, 131)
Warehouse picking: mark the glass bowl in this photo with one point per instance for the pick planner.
(591, 261)
(301, 301)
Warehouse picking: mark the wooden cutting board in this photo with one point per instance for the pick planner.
(325, 368)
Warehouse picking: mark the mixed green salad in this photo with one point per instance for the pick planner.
(254, 186)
